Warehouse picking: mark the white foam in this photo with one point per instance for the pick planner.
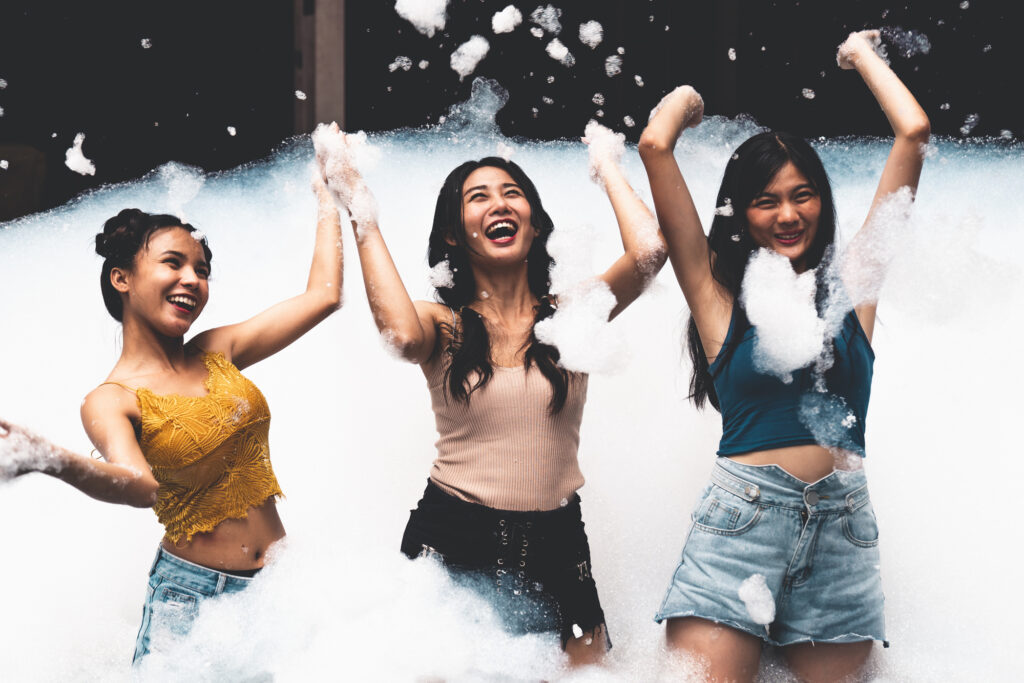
(341, 158)
(808, 93)
(605, 147)
(580, 331)
(506, 20)
(400, 62)
(969, 123)
(591, 33)
(557, 50)
(182, 183)
(299, 95)
(638, 80)
(75, 159)
(732, 54)
(597, 99)
(780, 304)
(4, 164)
(441, 275)
(468, 55)
(146, 43)
(613, 65)
(232, 131)
(547, 18)
(907, 43)
(428, 16)
(757, 598)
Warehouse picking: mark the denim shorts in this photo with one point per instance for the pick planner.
(533, 567)
(175, 590)
(815, 545)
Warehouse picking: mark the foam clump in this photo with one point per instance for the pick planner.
(506, 20)
(808, 94)
(732, 54)
(428, 16)
(557, 50)
(401, 62)
(865, 263)
(75, 159)
(613, 65)
(969, 124)
(546, 17)
(846, 49)
(591, 34)
(757, 598)
(468, 55)
(780, 304)
(829, 419)
(441, 275)
(340, 155)
(725, 209)
(579, 329)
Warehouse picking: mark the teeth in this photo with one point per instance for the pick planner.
(185, 301)
(507, 225)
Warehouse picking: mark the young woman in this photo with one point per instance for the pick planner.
(784, 501)
(178, 427)
(500, 509)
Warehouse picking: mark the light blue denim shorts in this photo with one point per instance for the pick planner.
(816, 545)
(175, 590)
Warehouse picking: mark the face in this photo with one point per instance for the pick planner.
(784, 216)
(168, 284)
(496, 217)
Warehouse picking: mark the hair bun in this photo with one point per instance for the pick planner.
(122, 233)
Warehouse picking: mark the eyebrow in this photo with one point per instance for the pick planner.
(484, 187)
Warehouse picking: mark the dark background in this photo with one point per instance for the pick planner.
(79, 67)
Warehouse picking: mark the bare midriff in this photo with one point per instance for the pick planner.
(234, 544)
(808, 463)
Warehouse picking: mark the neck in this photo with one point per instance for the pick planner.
(504, 294)
(144, 347)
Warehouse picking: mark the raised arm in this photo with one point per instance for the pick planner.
(644, 245)
(275, 328)
(123, 477)
(687, 244)
(911, 129)
(408, 328)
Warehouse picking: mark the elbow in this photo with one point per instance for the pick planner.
(919, 130)
(143, 494)
(403, 344)
(650, 261)
(651, 145)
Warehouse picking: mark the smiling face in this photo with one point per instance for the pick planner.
(496, 217)
(784, 216)
(167, 286)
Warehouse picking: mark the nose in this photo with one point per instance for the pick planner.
(787, 213)
(189, 277)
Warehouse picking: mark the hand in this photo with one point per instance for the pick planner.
(680, 109)
(335, 156)
(855, 46)
(606, 149)
(23, 451)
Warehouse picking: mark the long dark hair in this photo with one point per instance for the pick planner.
(470, 346)
(124, 236)
(751, 168)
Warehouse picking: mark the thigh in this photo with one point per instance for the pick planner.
(722, 653)
(588, 649)
(813, 662)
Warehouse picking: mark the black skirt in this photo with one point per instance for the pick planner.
(534, 567)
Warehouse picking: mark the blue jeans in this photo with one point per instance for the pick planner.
(175, 590)
(816, 545)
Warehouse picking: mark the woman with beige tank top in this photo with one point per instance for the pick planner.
(500, 510)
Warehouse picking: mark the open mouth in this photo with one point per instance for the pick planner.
(183, 302)
(501, 232)
(789, 238)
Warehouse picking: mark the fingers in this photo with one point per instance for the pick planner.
(5, 428)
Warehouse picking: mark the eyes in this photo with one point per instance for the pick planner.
(801, 196)
(509, 192)
(175, 263)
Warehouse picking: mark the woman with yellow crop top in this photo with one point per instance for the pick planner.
(500, 509)
(783, 548)
(178, 427)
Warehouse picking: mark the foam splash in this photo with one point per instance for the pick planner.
(557, 51)
(907, 43)
(441, 275)
(183, 184)
(579, 329)
(401, 62)
(613, 65)
(341, 157)
(547, 19)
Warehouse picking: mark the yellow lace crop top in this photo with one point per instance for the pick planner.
(209, 453)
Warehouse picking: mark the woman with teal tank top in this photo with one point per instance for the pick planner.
(783, 549)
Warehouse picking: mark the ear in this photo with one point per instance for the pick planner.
(449, 240)
(119, 279)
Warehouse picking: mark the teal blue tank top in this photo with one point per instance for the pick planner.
(761, 412)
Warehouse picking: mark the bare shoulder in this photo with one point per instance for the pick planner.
(110, 400)
(217, 340)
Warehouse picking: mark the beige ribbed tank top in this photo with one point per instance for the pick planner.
(503, 449)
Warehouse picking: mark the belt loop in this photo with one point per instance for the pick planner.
(156, 560)
(222, 580)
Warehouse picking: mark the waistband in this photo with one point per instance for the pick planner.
(195, 576)
(436, 495)
(772, 485)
